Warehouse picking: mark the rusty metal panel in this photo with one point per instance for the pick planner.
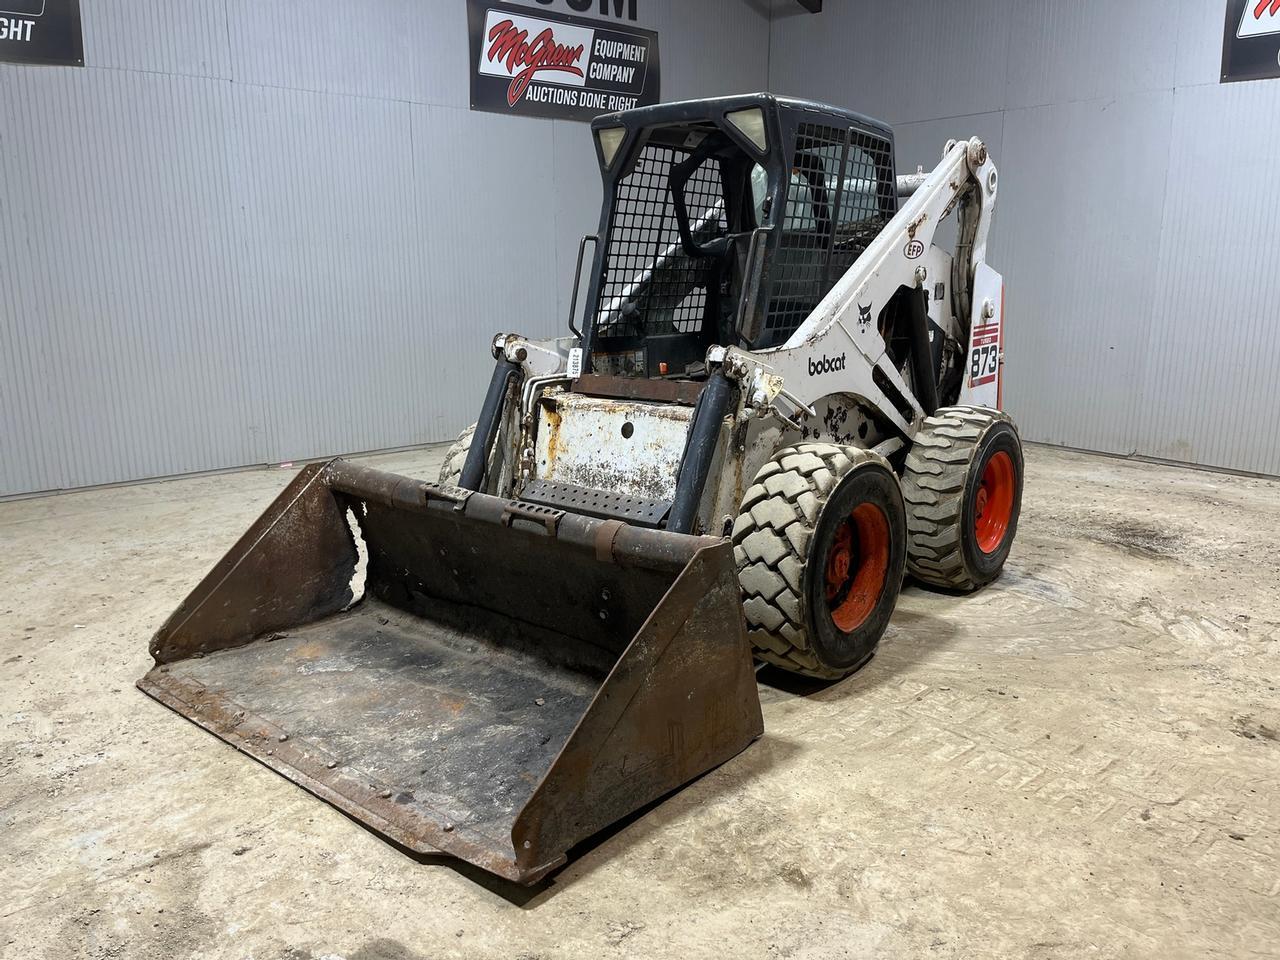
(424, 695)
(596, 503)
(617, 445)
(639, 388)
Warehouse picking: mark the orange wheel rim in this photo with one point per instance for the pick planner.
(856, 567)
(993, 503)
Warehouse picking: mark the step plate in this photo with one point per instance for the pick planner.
(597, 503)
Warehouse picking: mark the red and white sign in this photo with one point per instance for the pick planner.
(1261, 18)
(534, 63)
(523, 48)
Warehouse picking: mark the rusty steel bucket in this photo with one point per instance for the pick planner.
(490, 679)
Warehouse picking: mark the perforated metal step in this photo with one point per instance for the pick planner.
(597, 503)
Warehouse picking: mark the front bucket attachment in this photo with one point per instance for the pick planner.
(462, 673)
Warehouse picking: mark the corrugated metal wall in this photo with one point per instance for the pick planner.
(1137, 221)
(250, 232)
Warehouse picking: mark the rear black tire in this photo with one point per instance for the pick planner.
(810, 507)
(962, 482)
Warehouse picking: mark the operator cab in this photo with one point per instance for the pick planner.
(726, 221)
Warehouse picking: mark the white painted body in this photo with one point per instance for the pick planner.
(838, 326)
(820, 384)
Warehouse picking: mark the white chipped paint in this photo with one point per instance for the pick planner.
(582, 440)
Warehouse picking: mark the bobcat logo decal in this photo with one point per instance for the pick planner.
(864, 316)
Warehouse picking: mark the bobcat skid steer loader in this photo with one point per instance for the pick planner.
(781, 397)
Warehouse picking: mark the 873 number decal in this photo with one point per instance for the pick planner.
(984, 361)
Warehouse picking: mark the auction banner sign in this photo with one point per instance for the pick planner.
(1250, 42)
(535, 64)
(41, 31)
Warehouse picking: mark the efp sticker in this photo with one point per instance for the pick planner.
(575, 363)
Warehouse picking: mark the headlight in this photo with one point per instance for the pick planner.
(751, 123)
(610, 140)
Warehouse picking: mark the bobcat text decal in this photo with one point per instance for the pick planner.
(511, 44)
(825, 364)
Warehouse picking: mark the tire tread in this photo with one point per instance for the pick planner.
(770, 538)
(933, 486)
(456, 456)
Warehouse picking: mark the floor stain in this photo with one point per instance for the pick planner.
(1140, 539)
(1246, 727)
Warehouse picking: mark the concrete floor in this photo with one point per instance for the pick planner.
(1081, 760)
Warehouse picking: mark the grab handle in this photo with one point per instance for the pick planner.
(577, 278)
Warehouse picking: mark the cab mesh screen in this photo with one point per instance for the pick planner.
(650, 285)
(840, 195)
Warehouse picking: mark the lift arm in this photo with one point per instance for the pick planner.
(888, 263)
(815, 361)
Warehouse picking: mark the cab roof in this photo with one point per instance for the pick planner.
(785, 111)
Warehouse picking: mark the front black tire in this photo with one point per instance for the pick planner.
(962, 482)
(456, 456)
(820, 544)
